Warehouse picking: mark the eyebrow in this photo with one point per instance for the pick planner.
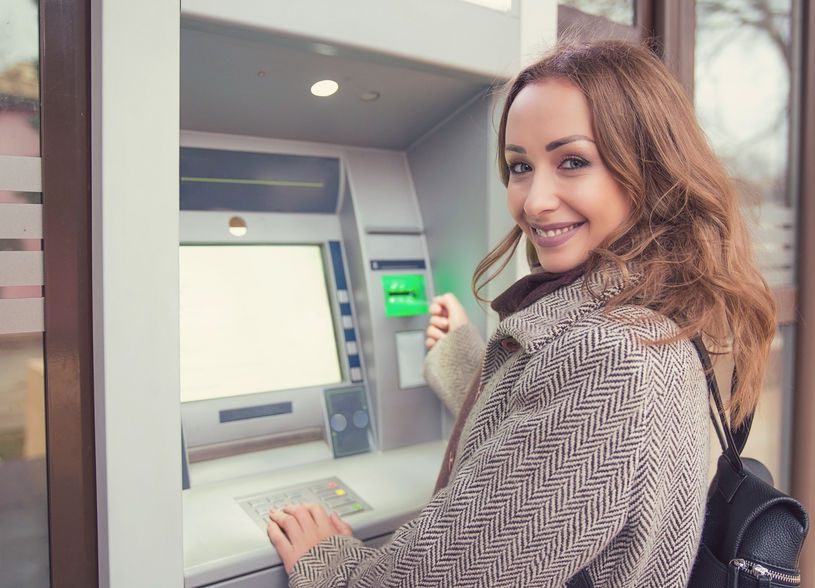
(570, 139)
(551, 146)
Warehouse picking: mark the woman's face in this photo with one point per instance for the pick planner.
(559, 191)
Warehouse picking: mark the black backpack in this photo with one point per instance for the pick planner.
(753, 533)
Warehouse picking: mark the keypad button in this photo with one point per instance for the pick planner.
(360, 419)
(338, 422)
(331, 493)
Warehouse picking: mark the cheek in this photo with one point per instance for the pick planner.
(618, 212)
(515, 203)
(605, 214)
(623, 207)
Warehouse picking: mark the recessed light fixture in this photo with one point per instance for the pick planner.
(369, 96)
(324, 49)
(237, 226)
(325, 88)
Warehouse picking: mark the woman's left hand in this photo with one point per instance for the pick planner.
(297, 528)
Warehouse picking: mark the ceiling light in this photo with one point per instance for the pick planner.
(325, 88)
(502, 5)
(369, 96)
(324, 49)
(237, 226)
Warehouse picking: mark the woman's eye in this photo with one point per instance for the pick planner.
(519, 168)
(573, 163)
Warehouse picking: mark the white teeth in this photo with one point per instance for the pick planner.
(554, 232)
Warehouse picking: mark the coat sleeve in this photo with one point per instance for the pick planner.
(537, 500)
(451, 365)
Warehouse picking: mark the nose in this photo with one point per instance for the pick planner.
(542, 196)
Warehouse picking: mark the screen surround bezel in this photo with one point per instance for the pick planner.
(200, 418)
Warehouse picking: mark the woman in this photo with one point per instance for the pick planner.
(582, 443)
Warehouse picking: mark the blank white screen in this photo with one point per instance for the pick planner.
(254, 318)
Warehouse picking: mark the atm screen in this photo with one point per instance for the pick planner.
(254, 318)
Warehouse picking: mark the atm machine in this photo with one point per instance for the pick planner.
(308, 233)
(304, 288)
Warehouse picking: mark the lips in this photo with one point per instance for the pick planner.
(555, 234)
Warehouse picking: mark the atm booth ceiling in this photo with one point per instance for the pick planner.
(250, 82)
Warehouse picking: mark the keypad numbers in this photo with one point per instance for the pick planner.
(332, 493)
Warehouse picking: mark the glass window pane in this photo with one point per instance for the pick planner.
(23, 498)
(619, 11)
(770, 437)
(19, 79)
(23, 490)
(743, 83)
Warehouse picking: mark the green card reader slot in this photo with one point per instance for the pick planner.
(405, 295)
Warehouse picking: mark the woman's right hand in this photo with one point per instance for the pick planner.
(297, 528)
(446, 314)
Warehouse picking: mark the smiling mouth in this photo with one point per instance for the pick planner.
(555, 232)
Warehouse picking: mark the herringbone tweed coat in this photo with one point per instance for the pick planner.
(588, 450)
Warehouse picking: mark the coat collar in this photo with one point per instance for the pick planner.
(543, 320)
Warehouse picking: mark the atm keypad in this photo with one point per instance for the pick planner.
(332, 493)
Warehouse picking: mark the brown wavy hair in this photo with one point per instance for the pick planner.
(685, 237)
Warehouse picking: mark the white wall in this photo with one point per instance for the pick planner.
(452, 183)
(538, 23)
(135, 246)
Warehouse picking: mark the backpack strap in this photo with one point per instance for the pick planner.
(727, 438)
(741, 432)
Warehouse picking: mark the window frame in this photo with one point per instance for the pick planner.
(803, 438)
(65, 90)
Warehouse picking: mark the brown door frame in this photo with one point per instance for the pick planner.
(803, 474)
(65, 82)
(672, 27)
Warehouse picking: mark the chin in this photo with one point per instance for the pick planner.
(559, 266)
